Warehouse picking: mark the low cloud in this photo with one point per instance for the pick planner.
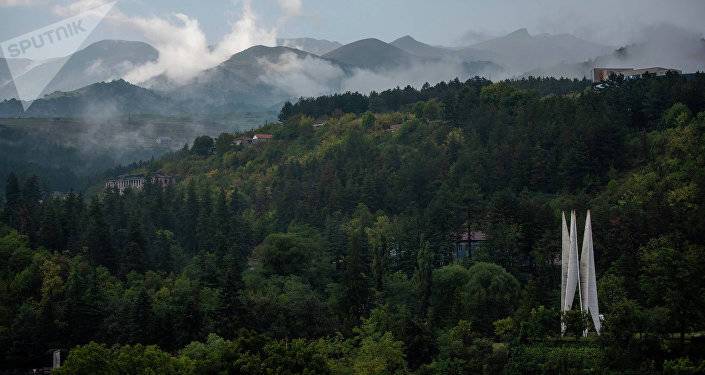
(291, 8)
(310, 76)
(184, 50)
(301, 76)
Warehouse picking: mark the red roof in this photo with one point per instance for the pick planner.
(263, 136)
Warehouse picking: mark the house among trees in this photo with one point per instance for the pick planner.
(603, 74)
(137, 181)
(467, 243)
(259, 138)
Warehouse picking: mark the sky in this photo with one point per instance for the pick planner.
(441, 22)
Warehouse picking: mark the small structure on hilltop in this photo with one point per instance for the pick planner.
(393, 128)
(242, 141)
(603, 74)
(259, 138)
(137, 181)
(578, 273)
(467, 243)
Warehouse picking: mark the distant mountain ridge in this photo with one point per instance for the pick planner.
(239, 81)
(315, 46)
(372, 54)
(522, 51)
(103, 99)
(105, 60)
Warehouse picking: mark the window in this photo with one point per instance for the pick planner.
(461, 250)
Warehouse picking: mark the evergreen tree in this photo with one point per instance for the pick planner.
(222, 223)
(355, 283)
(100, 250)
(13, 201)
(423, 278)
(205, 228)
(189, 219)
(232, 310)
(30, 215)
(134, 254)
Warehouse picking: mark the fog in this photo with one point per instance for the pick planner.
(634, 33)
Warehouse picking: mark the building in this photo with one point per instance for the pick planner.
(603, 74)
(242, 141)
(467, 243)
(393, 128)
(136, 182)
(259, 138)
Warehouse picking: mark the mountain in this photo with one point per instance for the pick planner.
(105, 60)
(372, 54)
(315, 46)
(104, 99)
(467, 65)
(521, 51)
(259, 77)
(414, 47)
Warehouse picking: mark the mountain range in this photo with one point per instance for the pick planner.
(105, 60)
(262, 78)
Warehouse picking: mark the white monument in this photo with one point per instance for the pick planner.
(578, 273)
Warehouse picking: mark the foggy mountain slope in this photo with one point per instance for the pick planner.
(102, 61)
(522, 51)
(315, 46)
(663, 46)
(372, 54)
(257, 78)
(467, 64)
(104, 99)
(414, 47)
(105, 60)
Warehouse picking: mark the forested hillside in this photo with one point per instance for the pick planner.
(329, 249)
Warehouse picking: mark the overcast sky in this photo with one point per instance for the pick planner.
(612, 22)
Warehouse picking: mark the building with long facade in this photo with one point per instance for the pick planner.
(603, 74)
(137, 181)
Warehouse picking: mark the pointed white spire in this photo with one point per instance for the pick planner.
(588, 281)
(565, 251)
(573, 273)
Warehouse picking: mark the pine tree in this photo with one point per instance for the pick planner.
(51, 233)
(204, 226)
(100, 250)
(189, 219)
(13, 197)
(423, 278)
(133, 255)
(355, 284)
(232, 309)
(29, 217)
(221, 223)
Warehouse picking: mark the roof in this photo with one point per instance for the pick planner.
(262, 136)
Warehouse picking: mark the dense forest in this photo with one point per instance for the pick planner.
(329, 249)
